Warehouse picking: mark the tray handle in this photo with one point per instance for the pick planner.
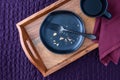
(30, 50)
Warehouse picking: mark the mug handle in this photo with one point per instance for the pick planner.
(107, 15)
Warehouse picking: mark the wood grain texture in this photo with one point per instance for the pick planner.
(52, 62)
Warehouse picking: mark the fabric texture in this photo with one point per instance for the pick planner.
(108, 34)
(14, 65)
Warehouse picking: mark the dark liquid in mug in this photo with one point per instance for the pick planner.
(92, 7)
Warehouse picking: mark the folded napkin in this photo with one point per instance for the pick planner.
(108, 34)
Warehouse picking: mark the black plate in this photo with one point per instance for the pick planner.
(64, 42)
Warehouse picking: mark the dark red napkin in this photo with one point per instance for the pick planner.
(108, 34)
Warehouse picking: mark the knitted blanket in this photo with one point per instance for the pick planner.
(14, 65)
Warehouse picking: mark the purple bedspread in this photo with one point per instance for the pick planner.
(14, 65)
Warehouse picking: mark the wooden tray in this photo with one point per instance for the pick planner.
(44, 60)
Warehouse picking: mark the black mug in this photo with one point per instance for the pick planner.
(95, 8)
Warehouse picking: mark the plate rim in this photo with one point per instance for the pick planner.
(59, 51)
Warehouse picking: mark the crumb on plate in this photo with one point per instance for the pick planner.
(55, 34)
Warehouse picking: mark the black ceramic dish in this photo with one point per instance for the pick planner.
(62, 43)
(95, 8)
